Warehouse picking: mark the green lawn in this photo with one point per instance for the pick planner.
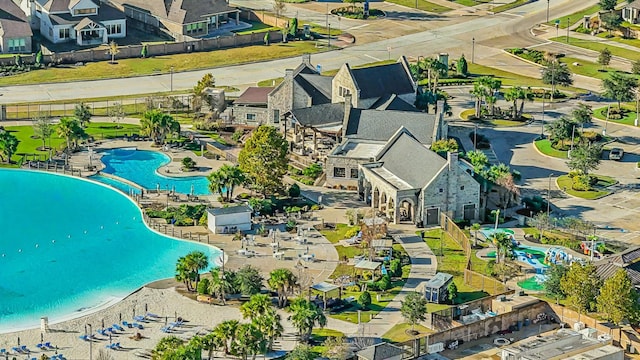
(351, 314)
(565, 183)
(509, 6)
(371, 64)
(257, 27)
(505, 122)
(599, 46)
(163, 64)
(544, 146)
(28, 144)
(398, 333)
(337, 234)
(452, 260)
(628, 119)
(590, 69)
(577, 16)
(270, 82)
(422, 5)
(513, 79)
(632, 42)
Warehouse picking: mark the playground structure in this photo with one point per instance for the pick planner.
(593, 248)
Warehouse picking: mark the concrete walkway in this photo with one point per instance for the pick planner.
(423, 267)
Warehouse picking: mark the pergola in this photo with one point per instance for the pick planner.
(324, 288)
(368, 265)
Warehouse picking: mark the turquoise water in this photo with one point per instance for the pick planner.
(122, 186)
(141, 167)
(69, 244)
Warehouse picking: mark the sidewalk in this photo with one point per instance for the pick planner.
(423, 267)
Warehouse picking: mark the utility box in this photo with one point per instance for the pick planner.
(444, 59)
(215, 99)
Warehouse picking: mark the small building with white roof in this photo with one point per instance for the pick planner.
(229, 220)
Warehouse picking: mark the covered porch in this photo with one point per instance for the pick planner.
(398, 206)
(89, 32)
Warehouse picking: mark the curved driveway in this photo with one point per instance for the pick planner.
(492, 33)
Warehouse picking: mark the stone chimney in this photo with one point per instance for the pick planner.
(441, 125)
(306, 59)
(347, 112)
(288, 74)
(452, 159)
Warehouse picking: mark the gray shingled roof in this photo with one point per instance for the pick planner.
(230, 210)
(317, 115)
(635, 5)
(381, 125)
(439, 280)
(380, 351)
(628, 260)
(315, 87)
(13, 21)
(377, 81)
(181, 11)
(105, 13)
(393, 102)
(423, 167)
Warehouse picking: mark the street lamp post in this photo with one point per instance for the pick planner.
(635, 123)
(549, 196)
(329, 37)
(544, 94)
(473, 49)
(90, 343)
(171, 79)
(547, 10)
(475, 136)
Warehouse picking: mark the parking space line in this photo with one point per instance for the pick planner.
(372, 57)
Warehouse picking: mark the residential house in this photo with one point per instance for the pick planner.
(87, 22)
(629, 260)
(250, 108)
(365, 132)
(381, 351)
(388, 86)
(15, 32)
(631, 12)
(410, 183)
(179, 18)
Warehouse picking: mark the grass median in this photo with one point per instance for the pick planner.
(422, 5)
(598, 191)
(544, 146)
(599, 46)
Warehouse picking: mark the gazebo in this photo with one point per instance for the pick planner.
(324, 288)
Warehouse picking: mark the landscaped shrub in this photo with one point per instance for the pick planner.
(262, 206)
(395, 268)
(313, 171)
(188, 164)
(384, 283)
(581, 183)
(290, 225)
(294, 190)
(203, 286)
(203, 219)
(179, 216)
(352, 232)
(364, 300)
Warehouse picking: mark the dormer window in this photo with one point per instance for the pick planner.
(89, 11)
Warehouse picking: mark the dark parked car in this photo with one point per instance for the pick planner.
(616, 154)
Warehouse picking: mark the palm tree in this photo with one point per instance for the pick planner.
(258, 304)
(306, 315)
(196, 262)
(479, 92)
(234, 176)
(513, 94)
(249, 341)
(211, 342)
(475, 227)
(217, 182)
(158, 125)
(525, 95)
(183, 272)
(226, 333)
(503, 244)
(70, 130)
(248, 280)
(221, 284)
(270, 326)
(8, 145)
(282, 280)
(434, 69)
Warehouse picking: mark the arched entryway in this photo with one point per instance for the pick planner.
(406, 211)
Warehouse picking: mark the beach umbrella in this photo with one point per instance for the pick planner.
(41, 337)
(102, 323)
(146, 308)
(134, 312)
(18, 340)
(120, 317)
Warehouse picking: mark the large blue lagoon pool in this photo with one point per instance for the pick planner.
(142, 168)
(68, 245)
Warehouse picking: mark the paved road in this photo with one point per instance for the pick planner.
(453, 37)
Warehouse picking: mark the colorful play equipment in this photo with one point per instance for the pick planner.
(592, 246)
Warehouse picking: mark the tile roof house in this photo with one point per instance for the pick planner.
(419, 190)
(87, 22)
(250, 108)
(381, 351)
(179, 18)
(631, 12)
(628, 260)
(15, 31)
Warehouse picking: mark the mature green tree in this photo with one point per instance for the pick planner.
(264, 159)
(582, 114)
(197, 261)
(619, 87)
(585, 157)
(249, 342)
(611, 21)
(618, 299)
(234, 177)
(452, 292)
(556, 73)
(82, 113)
(484, 89)
(479, 92)
(414, 308)
(70, 130)
(165, 348)
(158, 125)
(561, 129)
(503, 243)
(581, 284)
(552, 282)
(434, 70)
(293, 27)
(283, 281)
(43, 128)
(8, 145)
(217, 181)
(301, 352)
(475, 227)
(248, 280)
(211, 342)
(207, 81)
(462, 67)
(184, 273)
(305, 315)
(364, 300)
(604, 58)
(607, 5)
(512, 94)
(445, 145)
(336, 348)
(263, 316)
(221, 284)
(226, 331)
